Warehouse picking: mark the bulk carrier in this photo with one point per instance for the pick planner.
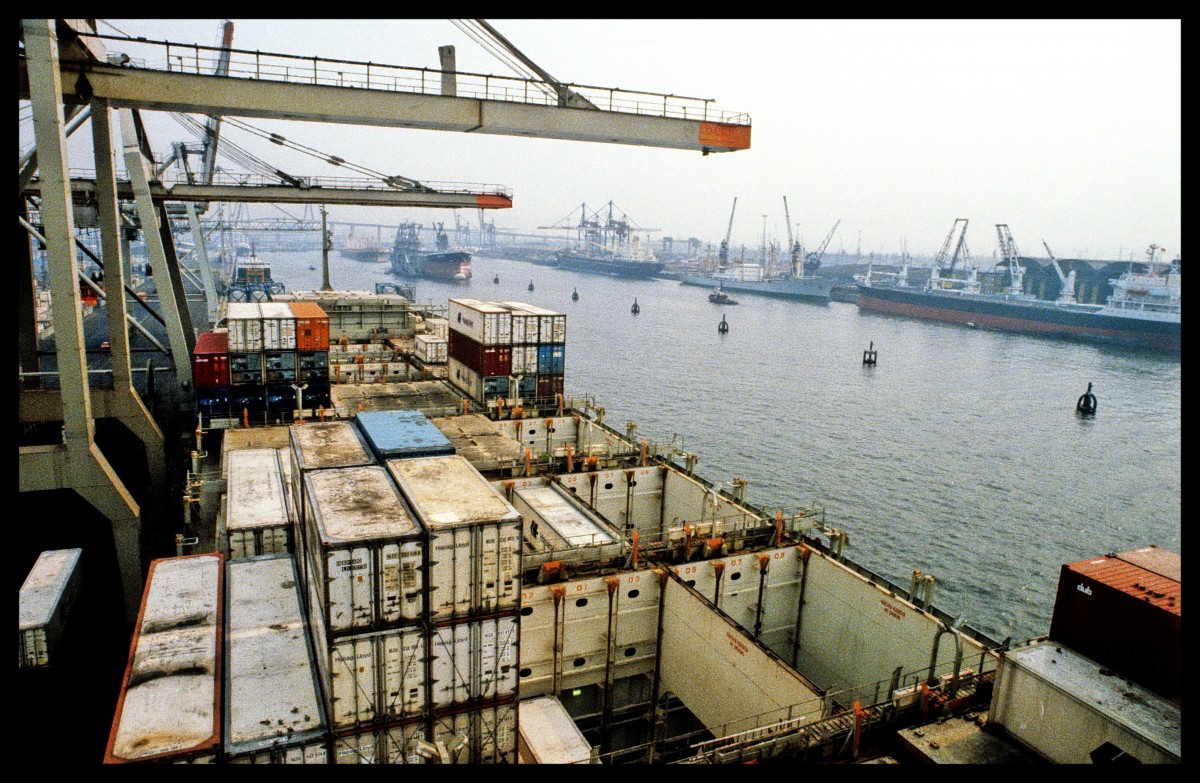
(452, 559)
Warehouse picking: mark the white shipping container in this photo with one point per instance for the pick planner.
(259, 514)
(484, 322)
(365, 550)
(438, 327)
(551, 326)
(465, 379)
(169, 706)
(556, 521)
(273, 710)
(474, 661)
(244, 321)
(524, 360)
(372, 677)
(391, 745)
(548, 734)
(278, 326)
(474, 536)
(431, 350)
(44, 604)
(326, 444)
(524, 326)
(488, 735)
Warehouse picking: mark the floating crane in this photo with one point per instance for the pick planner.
(1008, 249)
(723, 256)
(812, 261)
(1067, 294)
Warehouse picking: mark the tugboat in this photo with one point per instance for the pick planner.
(718, 296)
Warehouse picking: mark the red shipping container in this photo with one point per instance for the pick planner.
(549, 387)
(210, 360)
(487, 360)
(1125, 618)
(312, 326)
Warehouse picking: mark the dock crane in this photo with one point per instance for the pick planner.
(812, 261)
(960, 251)
(723, 256)
(793, 246)
(1067, 294)
(1008, 250)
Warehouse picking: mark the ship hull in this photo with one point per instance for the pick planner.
(812, 289)
(637, 270)
(453, 265)
(1038, 317)
(366, 255)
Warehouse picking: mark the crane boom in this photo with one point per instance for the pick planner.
(812, 261)
(1067, 292)
(724, 254)
(793, 246)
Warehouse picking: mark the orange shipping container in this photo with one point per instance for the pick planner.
(312, 326)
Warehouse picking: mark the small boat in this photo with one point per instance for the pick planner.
(718, 296)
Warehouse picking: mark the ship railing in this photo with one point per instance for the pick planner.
(191, 58)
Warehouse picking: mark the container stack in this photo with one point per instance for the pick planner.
(254, 363)
(259, 517)
(366, 362)
(472, 569)
(506, 350)
(430, 350)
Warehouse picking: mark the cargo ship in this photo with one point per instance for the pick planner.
(749, 279)
(365, 249)
(409, 260)
(606, 245)
(1144, 309)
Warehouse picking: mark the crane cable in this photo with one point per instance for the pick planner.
(475, 32)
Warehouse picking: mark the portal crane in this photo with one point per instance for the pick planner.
(812, 261)
(793, 246)
(1010, 255)
(723, 256)
(1067, 294)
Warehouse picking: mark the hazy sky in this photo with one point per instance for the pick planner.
(1069, 131)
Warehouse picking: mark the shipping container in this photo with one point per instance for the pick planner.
(474, 536)
(556, 521)
(245, 369)
(1106, 609)
(278, 327)
(169, 704)
(259, 512)
(312, 326)
(1152, 558)
(550, 359)
(318, 374)
(273, 704)
(365, 550)
(526, 388)
(524, 360)
(244, 321)
(483, 359)
(475, 386)
(246, 400)
(549, 387)
(430, 349)
(216, 403)
(524, 326)
(402, 433)
(368, 679)
(474, 661)
(311, 360)
(401, 743)
(210, 360)
(548, 734)
(438, 327)
(330, 444)
(44, 605)
(484, 322)
(541, 325)
(486, 734)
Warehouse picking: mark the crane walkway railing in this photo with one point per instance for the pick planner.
(202, 60)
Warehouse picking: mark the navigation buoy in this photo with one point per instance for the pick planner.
(530, 285)
(723, 327)
(575, 295)
(496, 279)
(869, 355)
(635, 309)
(1086, 405)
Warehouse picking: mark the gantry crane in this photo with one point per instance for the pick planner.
(1009, 254)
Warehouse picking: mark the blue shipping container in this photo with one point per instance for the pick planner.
(403, 433)
(550, 359)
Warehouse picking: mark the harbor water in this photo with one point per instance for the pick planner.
(959, 453)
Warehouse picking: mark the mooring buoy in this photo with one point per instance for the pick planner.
(1086, 404)
(496, 279)
(869, 355)
(575, 295)
(723, 327)
(635, 309)
(530, 285)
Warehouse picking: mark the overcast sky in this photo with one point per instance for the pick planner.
(1069, 131)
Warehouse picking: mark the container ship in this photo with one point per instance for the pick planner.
(476, 568)
(409, 260)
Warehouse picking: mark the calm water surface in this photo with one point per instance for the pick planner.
(959, 453)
